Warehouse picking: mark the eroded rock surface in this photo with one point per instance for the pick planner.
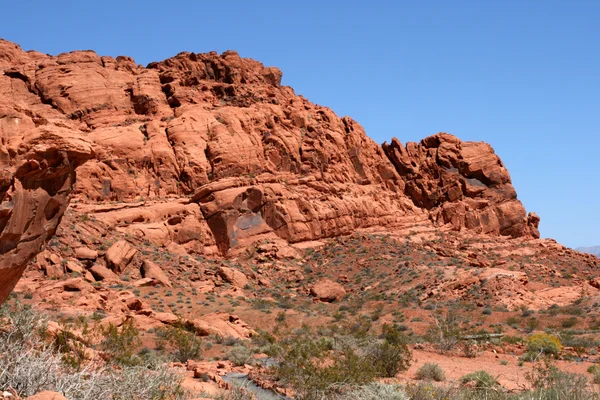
(463, 184)
(39, 151)
(208, 153)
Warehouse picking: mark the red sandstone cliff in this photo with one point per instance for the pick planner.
(210, 152)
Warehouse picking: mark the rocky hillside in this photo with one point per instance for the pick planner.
(207, 153)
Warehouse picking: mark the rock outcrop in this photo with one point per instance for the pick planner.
(463, 184)
(208, 153)
(39, 151)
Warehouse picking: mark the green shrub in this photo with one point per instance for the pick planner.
(479, 380)
(119, 344)
(595, 371)
(569, 322)
(550, 383)
(29, 364)
(186, 345)
(542, 344)
(430, 372)
(239, 355)
(392, 355)
(446, 332)
(314, 371)
(512, 339)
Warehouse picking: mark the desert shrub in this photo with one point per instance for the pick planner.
(430, 372)
(428, 391)
(549, 383)
(392, 355)
(595, 371)
(376, 391)
(531, 324)
(263, 338)
(29, 363)
(469, 348)
(239, 355)
(445, 332)
(479, 380)
(318, 367)
(310, 367)
(119, 344)
(579, 344)
(542, 344)
(569, 322)
(512, 339)
(238, 393)
(73, 351)
(186, 345)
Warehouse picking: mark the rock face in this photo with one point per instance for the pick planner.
(208, 153)
(462, 184)
(39, 151)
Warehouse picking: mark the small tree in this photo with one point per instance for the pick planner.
(119, 344)
(186, 345)
(445, 332)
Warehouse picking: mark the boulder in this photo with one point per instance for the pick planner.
(146, 282)
(74, 266)
(46, 395)
(595, 282)
(85, 253)
(119, 255)
(327, 291)
(51, 264)
(151, 270)
(233, 276)
(101, 273)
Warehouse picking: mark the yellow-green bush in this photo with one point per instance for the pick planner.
(543, 344)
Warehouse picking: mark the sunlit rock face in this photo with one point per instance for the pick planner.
(212, 154)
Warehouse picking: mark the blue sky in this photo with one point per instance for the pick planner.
(523, 75)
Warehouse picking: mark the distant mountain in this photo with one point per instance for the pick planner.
(594, 250)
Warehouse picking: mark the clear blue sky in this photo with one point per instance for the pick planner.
(523, 75)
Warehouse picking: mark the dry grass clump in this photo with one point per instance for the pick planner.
(30, 363)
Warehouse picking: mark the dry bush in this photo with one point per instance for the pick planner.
(29, 363)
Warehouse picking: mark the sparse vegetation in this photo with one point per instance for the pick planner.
(186, 345)
(542, 344)
(430, 372)
(29, 363)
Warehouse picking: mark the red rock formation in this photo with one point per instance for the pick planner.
(256, 160)
(461, 183)
(39, 152)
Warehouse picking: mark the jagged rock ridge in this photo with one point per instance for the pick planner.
(209, 152)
